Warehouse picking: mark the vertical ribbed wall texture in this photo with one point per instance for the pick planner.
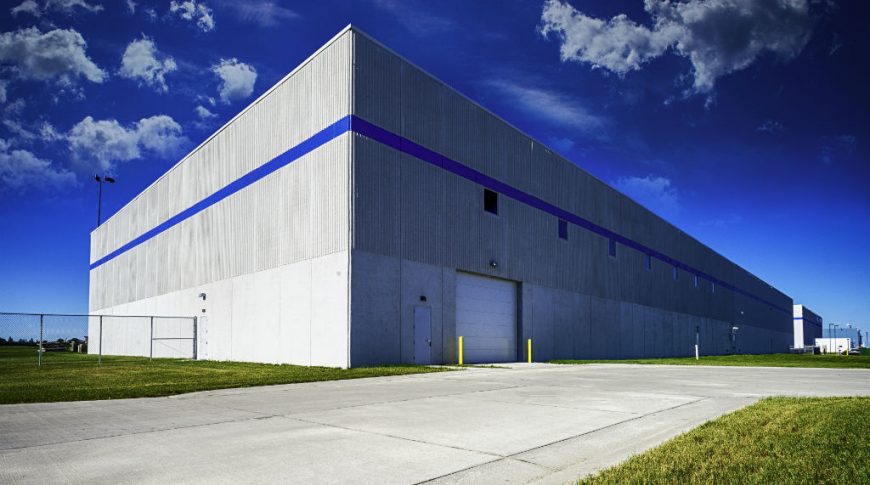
(406, 208)
(298, 212)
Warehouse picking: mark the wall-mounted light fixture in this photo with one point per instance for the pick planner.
(493, 263)
(202, 295)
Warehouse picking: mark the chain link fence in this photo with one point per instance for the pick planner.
(45, 338)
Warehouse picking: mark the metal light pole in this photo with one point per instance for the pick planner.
(835, 337)
(830, 344)
(100, 181)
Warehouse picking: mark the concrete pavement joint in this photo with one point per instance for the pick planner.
(561, 407)
(514, 456)
(388, 435)
(472, 467)
(134, 433)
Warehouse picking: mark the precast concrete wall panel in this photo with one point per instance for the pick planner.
(376, 326)
(295, 313)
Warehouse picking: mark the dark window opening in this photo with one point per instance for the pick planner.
(611, 248)
(563, 230)
(696, 281)
(490, 201)
(712, 287)
(676, 274)
(648, 262)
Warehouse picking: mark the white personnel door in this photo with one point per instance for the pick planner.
(486, 318)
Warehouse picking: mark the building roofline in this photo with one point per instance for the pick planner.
(357, 30)
(351, 28)
(250, 106)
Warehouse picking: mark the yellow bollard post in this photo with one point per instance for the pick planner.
(460, 350)
(530, 351)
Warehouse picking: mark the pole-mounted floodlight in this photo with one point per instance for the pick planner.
(100, 181)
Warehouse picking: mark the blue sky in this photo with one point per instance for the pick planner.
(742, 122)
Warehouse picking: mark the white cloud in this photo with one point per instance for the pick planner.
(717, 36)
(724, 221)
(837, 148)
(21, 169)
(142, 62)
(655, 193)
(17, 128)
(99, 144)
(48, 132)
(68, 7)
(237, 79)
(194, 11)
(549, 105)
(161, 135)
(57, 54)
(769, 126)
(102, 142)
(263, 13)
(2, 91)
(204, 113)
(131, 6)
(415, 17)
(14, 108)
(561, 145)
(28, 7)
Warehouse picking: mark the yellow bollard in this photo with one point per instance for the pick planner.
(460, 350)
(530, 351)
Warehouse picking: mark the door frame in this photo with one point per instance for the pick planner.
(423, 311)
(518, 306)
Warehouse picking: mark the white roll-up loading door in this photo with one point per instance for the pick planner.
(486, 318)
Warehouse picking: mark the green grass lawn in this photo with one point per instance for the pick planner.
(67, 376)
(777, 440)
(764, 360)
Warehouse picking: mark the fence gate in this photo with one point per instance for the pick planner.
(49, 338)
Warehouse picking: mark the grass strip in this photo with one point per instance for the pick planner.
(777, 440)
(829, 361)
(67, 376)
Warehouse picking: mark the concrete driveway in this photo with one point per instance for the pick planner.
(529, 423)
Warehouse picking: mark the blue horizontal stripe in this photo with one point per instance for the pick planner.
(320, 138)
(404, 145)
(363, 127)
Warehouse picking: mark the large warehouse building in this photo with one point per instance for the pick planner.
(363, 212)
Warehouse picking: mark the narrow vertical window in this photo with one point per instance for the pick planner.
(712, 287)
(675, 273)
(696, 281)
(490, 201)
(611, 248)
(563, 229)
(648, 262)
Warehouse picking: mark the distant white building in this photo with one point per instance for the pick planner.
(833, 344)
